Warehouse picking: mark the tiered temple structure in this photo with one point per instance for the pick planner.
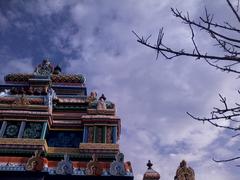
(50, 128)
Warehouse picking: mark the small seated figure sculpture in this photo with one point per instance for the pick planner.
(92, 97)
(117, 168)
(128, 168)
(101, 104)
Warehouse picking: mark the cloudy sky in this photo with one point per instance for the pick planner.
(152, 96)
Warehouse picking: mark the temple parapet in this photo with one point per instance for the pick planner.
(45, 73)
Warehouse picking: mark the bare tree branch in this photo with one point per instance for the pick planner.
(233, 10)
(225, 35)
(226, 160)
(226, 68)
(176, 53)
(178, 14)
(228, 27)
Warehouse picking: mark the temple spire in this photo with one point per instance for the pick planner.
(151, 174)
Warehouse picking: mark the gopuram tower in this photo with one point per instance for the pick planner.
(50, 128)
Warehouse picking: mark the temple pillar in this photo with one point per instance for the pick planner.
(114, 134)
(21, 130)
(95, 134)
(3, 128)
(44, 129)
(104, 134)
(85, 134)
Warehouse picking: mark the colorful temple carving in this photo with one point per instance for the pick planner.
(50, 127)
(151, 174)
(184, 173)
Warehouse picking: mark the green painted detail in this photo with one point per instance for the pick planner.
(44, 129)
(69, 108)
(16, 151)
(93, 105)
(79, 157)
(32, 130)
(104, 134)
(12, 129)
(95, 135)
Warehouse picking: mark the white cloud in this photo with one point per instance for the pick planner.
(18, 66)
(4, 23)
(46, 7)
(151, 97)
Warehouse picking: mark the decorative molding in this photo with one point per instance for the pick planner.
(93, 167)
(101, 111)
(58, 150)
(98, 124)
(35, 163)
(17, 100)
(63, 128)
(23, 119)
(67, 122)
(98, 146)
(100, 116)
(19, 141)
(20, 101)
(71, 100)
(30, 106)
(22, 112)
(68, 78)
(65, 167)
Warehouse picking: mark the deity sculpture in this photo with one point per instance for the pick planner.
(44, 69)
(65, 166)
(117, 168)
(101, 104)
(92, 97)
(184, 172)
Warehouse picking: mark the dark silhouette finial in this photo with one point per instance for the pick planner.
(149, 164)
(103, 97)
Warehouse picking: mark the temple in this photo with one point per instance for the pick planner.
(183, 172)
(51, 128)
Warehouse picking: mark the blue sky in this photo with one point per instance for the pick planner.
(152, 96)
